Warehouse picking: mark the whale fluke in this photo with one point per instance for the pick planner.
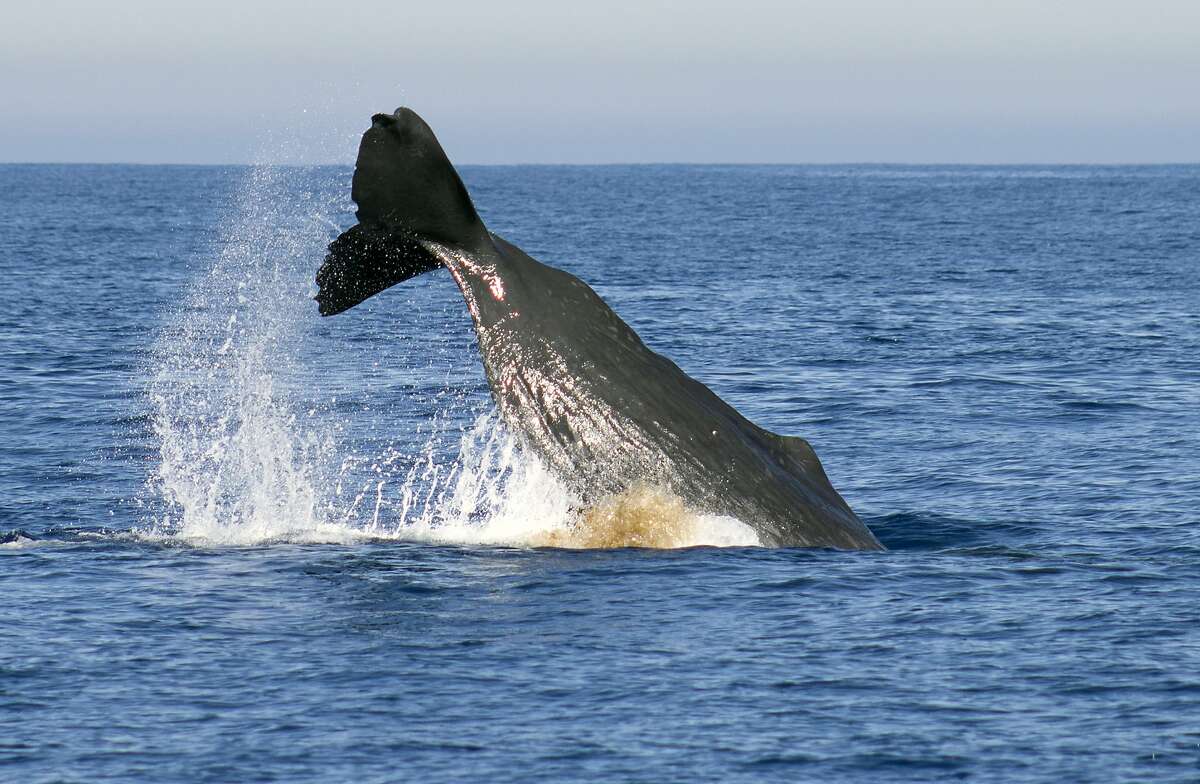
(364, 261)
(601, 409)
(407, 192)
(404, 181)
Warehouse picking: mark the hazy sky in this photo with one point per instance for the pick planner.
(540, 81)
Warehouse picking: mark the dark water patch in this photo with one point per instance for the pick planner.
(933, 532)
(1105, 406)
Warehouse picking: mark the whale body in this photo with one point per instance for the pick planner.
(574, 381)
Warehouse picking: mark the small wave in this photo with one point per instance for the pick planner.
(251, 536)
(17, 540)
(968, 380)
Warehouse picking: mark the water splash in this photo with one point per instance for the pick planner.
(497, 493)
(248, 455)
(236, 463)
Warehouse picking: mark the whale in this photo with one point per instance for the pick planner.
(579, 388)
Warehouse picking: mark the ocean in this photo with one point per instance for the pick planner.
(241, 542)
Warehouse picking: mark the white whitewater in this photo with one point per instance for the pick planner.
(247, 458)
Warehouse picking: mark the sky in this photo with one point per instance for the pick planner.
(535, 81)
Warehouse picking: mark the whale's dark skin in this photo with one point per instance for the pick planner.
(602, 410)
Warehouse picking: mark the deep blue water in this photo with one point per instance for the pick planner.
(219, 512)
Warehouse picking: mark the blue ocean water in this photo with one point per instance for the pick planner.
(240, 542)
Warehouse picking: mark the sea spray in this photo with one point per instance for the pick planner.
(495, 492)
(237, 464)
(250, 452)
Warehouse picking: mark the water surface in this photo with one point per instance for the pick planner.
(241, 542)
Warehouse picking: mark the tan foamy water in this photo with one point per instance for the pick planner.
(645, 516)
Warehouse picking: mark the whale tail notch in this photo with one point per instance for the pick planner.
(407, 193)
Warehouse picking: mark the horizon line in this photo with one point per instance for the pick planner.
(1023, 164)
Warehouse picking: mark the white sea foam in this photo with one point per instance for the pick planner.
(21, 542)
(243, 462)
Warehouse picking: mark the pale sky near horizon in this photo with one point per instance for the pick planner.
(926, 81)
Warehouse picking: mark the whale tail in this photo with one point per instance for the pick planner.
(364, 261)
(407, 193)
